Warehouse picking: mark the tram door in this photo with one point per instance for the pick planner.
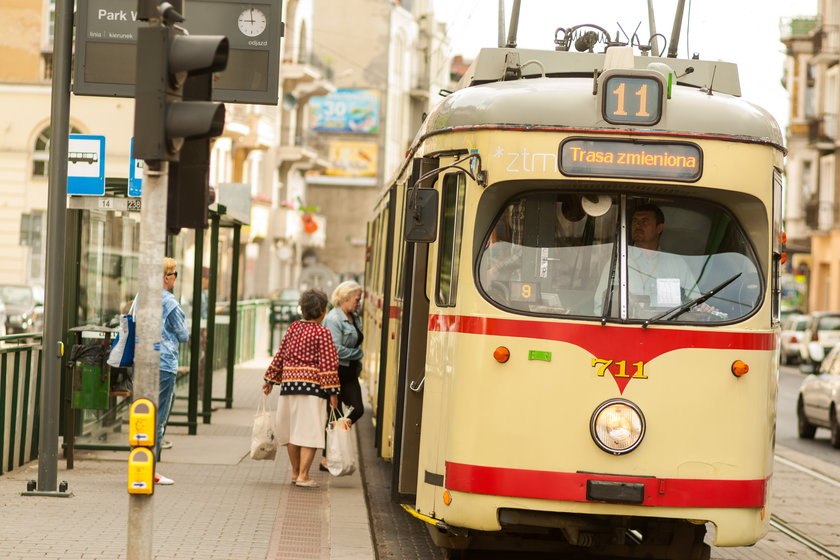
(412, 356)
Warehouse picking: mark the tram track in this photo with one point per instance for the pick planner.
(787, 529)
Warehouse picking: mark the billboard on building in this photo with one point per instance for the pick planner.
(346, 110)
(352, 159)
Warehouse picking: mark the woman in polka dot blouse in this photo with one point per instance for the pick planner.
(306, 368)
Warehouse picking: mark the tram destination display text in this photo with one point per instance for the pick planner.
(619, 158)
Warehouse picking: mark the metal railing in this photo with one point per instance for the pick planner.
(21, 374)
(20, 389)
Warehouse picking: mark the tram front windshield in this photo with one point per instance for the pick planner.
(619, 257)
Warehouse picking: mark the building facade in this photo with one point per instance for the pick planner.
(389, 67)
(812, 220)
(307, 186)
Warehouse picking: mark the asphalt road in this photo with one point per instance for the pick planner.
(789, 380)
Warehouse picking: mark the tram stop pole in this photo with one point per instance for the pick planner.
(148, 334)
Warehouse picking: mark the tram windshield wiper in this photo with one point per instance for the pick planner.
(675, 312)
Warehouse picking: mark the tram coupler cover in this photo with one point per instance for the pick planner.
(141, 423)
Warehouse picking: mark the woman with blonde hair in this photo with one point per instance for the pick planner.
(173, 333)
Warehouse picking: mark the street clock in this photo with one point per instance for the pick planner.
(252, 22)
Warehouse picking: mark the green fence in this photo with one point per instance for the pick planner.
(20, 388)
(21, 374)
(251, 320)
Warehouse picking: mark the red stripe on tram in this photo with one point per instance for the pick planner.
(630, 343)
(571, 487)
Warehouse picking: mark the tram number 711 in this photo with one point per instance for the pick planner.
(603, 365)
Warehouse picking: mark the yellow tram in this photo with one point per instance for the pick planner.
(572, 302)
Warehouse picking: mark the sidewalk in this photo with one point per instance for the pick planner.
(222, 506)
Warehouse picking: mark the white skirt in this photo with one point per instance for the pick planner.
(301, 420)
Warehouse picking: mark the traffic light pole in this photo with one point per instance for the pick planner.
(53, 344)
(147, 353)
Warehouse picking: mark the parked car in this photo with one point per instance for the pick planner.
(819, 397)
(793, 334)
(823, 329)
(2, 318)
(788, 311)
(21, 315)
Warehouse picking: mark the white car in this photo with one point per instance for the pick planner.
(793, 335)
(824, 330)
(819, 399)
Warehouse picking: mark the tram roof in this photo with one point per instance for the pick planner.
(562, 96)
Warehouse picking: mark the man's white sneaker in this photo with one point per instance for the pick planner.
(160, 479)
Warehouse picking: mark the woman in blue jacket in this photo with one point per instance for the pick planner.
(346, 329)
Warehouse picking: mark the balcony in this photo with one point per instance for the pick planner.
(800, 26)
(306, 77)
(819, 215)
(822, 131)
(302, 157)
(826, 41)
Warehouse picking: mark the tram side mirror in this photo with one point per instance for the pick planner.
(421, 212)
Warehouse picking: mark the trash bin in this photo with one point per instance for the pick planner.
(91, 377)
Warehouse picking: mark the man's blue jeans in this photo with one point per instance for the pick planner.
(165, 399)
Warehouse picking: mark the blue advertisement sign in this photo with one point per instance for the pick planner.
(135, 173)
(346, 110)
(86, 165)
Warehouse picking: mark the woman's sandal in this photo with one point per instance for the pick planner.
(308, 484)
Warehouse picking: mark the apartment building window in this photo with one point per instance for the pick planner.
(49, 25)
(826, 196)
(32, 236)
(807, 179)
(41, 152)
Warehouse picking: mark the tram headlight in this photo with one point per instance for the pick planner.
(617, 426)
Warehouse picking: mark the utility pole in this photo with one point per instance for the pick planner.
(53, 346)
(164, 119)
(147, 353)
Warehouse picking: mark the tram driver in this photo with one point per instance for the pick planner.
(656, 279)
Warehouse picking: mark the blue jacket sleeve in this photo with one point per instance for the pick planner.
(176, 323)
(336, 327)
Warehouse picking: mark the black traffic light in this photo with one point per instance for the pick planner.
(162, 118)
(188, 193)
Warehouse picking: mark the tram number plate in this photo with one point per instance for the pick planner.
(615, 492)
(134, 204)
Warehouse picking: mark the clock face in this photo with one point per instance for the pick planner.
(251, 22)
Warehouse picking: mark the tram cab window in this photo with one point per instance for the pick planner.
(617, 257)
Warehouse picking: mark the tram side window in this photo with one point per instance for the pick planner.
(451, 228)
(560, 254)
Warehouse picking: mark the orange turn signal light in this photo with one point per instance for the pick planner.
(739, 368)
(447, 497)
(783, 258)
(501, 354)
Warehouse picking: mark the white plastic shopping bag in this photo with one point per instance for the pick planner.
(122, 350)
(341, 445)
(263, 441)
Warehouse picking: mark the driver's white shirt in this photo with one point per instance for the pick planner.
(662, 277)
